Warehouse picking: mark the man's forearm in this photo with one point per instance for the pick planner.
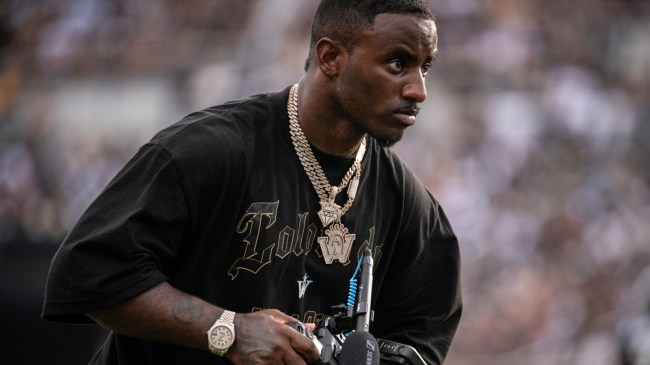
(163, 314)
(166, 314)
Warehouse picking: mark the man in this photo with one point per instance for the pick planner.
(246, 216)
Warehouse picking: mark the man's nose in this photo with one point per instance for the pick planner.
(415, 89)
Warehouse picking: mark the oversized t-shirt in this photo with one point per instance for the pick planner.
(219, 206)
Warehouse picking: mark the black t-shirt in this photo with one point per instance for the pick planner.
(219, 205)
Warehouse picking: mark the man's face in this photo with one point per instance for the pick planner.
(383, 78)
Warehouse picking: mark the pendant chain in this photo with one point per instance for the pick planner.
(326, 192)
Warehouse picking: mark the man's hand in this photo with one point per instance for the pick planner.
(264, 338)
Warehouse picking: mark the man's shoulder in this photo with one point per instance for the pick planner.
(227, 125)
(397, 176)
(389, 161)
(235, 115)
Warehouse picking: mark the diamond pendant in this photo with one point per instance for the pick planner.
(337, 244)
(329, 212)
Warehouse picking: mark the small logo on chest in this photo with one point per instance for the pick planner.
(302, 285)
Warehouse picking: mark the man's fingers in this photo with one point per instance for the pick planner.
(281, 317)
(267, 331)
(304, 346)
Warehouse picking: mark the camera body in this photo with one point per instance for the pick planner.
(397, 353)
(356, 315)
(330, 345)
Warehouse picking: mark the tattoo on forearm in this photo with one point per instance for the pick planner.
(186, 310)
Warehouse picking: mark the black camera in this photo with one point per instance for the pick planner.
(331, 335)
(398, 353)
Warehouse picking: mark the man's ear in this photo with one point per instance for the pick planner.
(330, 56)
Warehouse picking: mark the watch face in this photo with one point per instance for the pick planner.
(221, 337)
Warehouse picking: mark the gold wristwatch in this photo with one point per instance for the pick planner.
(222, 333)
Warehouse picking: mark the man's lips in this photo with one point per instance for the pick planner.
(407, 115)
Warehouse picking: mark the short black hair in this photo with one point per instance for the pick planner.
(343, 20)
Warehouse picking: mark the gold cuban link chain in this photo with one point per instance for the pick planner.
(325, 191)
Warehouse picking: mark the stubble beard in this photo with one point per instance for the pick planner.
(347, 107)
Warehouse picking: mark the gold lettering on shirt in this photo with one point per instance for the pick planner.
(298, 240)
(251, 225)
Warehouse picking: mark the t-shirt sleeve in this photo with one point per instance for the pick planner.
(124, 243)
(420, 303)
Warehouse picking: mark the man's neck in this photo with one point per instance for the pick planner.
(321, 121)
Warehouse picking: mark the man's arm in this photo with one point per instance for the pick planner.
(166, 314)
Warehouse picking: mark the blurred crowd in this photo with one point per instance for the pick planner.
(535, 137)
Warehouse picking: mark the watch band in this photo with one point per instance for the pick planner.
(227, 317)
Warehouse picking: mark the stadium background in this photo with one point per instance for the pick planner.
(535, 137)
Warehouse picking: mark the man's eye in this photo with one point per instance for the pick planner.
(397, 66)
(425, 68)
